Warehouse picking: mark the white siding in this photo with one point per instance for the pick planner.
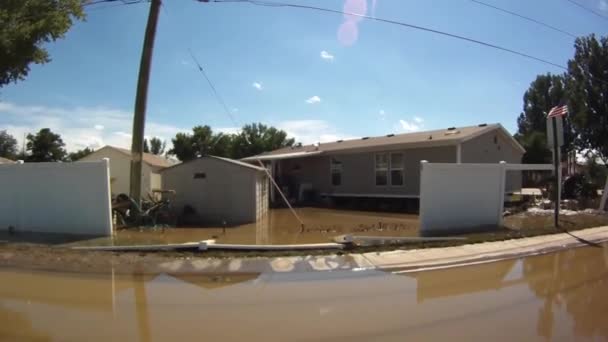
(69, 198)
(222, 191)
(460, 197)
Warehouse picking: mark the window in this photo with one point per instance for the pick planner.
(336, 172)
(397, 169)
(389, 169)
(382, 169)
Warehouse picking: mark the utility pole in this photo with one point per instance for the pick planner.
(139, 117)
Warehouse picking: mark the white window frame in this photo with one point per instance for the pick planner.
(335, 167)
(396, 168)
(387, 169)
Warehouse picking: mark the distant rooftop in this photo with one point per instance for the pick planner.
(6, 161)
(149, 158)
(451, 135)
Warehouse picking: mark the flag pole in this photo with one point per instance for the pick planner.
(557, 173)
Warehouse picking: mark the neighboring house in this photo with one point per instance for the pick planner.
(214, 190)
(6, 161)
(386, 166)
(120, 169)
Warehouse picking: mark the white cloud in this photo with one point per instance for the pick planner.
(79, 127)
(418, 119)
(311, 131)
(603, 5)
(409, 126)
(257, 85)
(327, 56)
(382, 114)
(227, 130)
(313, 100)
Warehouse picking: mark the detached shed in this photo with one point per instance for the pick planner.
(214, 190)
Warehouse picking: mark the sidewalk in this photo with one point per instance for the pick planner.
(399, 260)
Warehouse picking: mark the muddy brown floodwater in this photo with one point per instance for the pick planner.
(558, 296)
(281, 227)
(321, 225)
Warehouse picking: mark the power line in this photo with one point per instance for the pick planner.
(590, 10)
(525, 18)
(217, 95)
(123, 2)
(394, 22)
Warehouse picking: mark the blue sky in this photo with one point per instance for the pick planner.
(304, 71)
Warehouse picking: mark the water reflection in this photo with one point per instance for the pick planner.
(554, 296)
(573, 281)
(18, 326)
(463, 280)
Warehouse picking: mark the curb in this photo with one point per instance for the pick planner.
(399, 261)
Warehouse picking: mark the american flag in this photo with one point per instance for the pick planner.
(558, 111)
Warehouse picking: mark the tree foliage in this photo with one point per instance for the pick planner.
(8, 145)
(202, 141)
(253, 139)
(544, 93)
(26, 26)
(588, 94)
(258, 138)
(45, 146)
(157, 146)
(74, 156)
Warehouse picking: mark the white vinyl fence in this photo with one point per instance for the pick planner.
(463, 197)
(72, 198)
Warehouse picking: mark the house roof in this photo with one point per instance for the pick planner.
(6, 161)
(450, 136)
(148, 158)
(237, 162)
(226, 160)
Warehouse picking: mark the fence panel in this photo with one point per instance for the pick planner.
(460, 197)
(71, 198)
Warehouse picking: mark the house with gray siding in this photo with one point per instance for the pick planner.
(386, 166)
(217, 191)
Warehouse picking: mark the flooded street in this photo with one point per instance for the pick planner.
(558, 296)
(281, 227)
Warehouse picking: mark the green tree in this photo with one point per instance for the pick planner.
(45, 146)
(8, 145)
(157, 146)
(596, 172)
(74, 156)
(588, 89)
(258, 138)
(27, 25)
(183, 147)
(201, 142)
(146, 146)
(544, 93)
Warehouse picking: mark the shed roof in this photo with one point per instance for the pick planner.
(6, 161)
(449, 136)
(226, 160)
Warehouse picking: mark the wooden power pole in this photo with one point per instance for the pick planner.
(139, 117)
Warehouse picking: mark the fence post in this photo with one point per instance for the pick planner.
(501, 190)
(420, 199)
